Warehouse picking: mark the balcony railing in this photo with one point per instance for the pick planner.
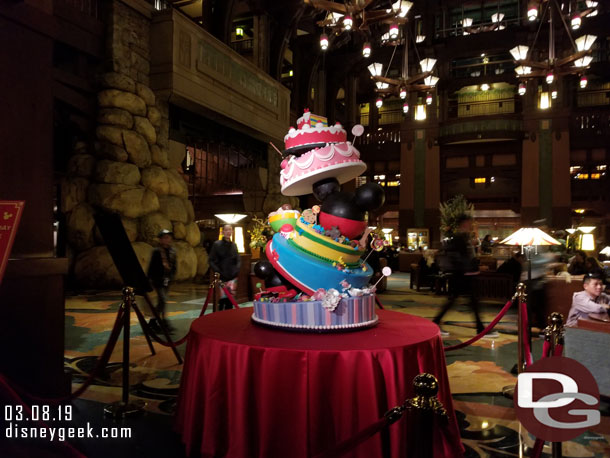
(482, 127)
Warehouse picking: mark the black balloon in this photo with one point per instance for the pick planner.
(370, 196)
(341, 204)
(323, 188)
(263, 269)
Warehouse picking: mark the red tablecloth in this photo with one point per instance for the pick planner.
(249, 391)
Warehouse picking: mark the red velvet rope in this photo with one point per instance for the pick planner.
(147, 329)
(349, 444)
(546, 348)
(537, 449)
(558, 350)
(485, 331)
(226, 290)
(68, 450)
(524, 332)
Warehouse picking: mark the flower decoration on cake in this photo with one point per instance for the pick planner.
(331, 299)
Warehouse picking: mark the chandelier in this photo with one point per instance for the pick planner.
(359, 16)
(551, 67)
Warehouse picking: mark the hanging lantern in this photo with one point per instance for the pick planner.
(348, 22)
(375, 69)
(429, 99)
(585, 42)
(393, 31)
(575, 22)
(324, 42)
(549, 78)
(583, 82)
(522, 88)
(532, 13)
(403, 93)
(554, 94)
(405, 107)
(366, 49)
(379, 102)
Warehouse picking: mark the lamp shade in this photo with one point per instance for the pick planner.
(497, 17)
(605, 251)
(523, 70)
(381, 85)
(375, 69)
(467, 22)
(430, 80)
(585, 42)
(587, 242)
(529, 236)
(427, 64)
(420, 38)
(583, 61)
(520, 52)
(230, 218)
(586, 229)
(402, 7)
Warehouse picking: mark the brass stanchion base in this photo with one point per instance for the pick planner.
(508, 391)
(120, 409)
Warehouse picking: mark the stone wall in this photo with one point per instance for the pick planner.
(127, 169)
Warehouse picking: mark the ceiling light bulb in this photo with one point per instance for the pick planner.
(324, 42)
(375, 69)
(403, 93)
(366, 50)
(405, 107)
(484, 87)
(348, 22)
(575, 22)
(379, 102)
(522, 89)
(583, 82)
(394, 31)
(549, 78)
(532, 13)
(429, 99)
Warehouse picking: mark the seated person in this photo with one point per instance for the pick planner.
(513, 266)
(577, 263)
(596, 268)
(591, 300)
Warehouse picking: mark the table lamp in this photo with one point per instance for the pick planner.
(528, 238)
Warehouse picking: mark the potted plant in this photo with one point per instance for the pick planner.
(258, 232)
(450, 211)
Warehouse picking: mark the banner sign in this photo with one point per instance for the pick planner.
(10, 214)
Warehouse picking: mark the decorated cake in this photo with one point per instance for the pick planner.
(316, 152)
(316, 276)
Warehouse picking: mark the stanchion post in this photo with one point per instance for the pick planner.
(214, 287)
(520, 296)
(423, 410)
(124, 408)
(554, 334)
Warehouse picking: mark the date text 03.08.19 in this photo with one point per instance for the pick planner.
(42, 412)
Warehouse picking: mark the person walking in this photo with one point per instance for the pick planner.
(161, 271)
(225, 260)
(460, 262)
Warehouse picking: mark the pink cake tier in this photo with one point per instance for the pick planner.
(339, 160)
(319, 134)
(351, 313)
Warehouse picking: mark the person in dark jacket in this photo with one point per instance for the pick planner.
(513, 266)
(225, 260)
(161, 271)
(461, 263)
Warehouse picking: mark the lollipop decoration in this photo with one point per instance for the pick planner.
(377, 244)
(259, 286)
(357, 130)
(386, 272)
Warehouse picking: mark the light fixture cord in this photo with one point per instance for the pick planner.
(391, 59)
(565, 24)
(539, 27)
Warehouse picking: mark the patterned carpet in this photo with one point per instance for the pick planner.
(477, 373)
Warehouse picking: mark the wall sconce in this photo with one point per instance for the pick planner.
(324, 42)
(545, 101)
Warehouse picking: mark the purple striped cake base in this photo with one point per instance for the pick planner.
(350, 314)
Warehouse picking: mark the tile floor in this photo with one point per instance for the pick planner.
(477, 374)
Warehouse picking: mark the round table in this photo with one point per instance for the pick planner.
(250, 391)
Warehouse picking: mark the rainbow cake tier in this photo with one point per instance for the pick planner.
(349, 313)
(337, 160)
(313, 243)
(310, 272)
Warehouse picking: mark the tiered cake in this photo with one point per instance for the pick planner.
(322, 278)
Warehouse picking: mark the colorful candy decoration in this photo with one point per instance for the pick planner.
(284, 215)
(386, 272)
(357, 131)
(316, 210)
(287, 231)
